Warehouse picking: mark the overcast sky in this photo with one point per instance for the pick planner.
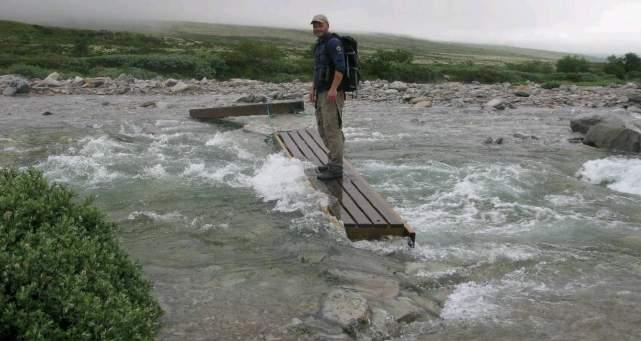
(584, 26)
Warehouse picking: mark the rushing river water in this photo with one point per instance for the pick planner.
(532, 239)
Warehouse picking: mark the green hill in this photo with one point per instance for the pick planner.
(424, 50)
(196, 50)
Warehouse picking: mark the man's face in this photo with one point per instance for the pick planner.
(320, 28)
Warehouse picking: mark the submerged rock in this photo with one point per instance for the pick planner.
(347, 309)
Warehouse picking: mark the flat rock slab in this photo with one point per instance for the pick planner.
(347, 309)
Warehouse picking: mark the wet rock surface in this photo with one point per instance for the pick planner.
(612, 131)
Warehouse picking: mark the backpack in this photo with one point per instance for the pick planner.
(352, 75)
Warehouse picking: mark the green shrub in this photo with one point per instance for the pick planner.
(28, 71)
(114, 72)
(533, 66)
(572, 64)
(63, 275)
(256, 60)
(481, 73)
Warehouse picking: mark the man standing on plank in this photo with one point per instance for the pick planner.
(328, 96)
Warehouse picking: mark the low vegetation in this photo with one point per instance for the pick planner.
(35, 51)
(64, 276)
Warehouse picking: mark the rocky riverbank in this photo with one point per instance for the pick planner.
(495, 96)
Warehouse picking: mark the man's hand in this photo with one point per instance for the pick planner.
(312, 95)
(331, 95)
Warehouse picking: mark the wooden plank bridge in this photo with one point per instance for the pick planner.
(288, 107)
(363, 212)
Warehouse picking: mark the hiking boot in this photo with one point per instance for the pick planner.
(323, 168)
(330, 175)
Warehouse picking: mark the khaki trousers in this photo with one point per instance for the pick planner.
(329, 118)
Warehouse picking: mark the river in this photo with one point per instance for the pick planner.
(535, 238)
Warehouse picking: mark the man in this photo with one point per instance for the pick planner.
(328, 96)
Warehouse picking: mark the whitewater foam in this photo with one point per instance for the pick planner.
(618, 174)
(483, 301)
(283, 180)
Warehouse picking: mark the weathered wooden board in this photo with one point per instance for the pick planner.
(363, 212)
(290, 107)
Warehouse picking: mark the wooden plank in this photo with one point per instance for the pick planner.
(350, 189)
(309, 155)
(291, 146)
(377, 201)
(320, 153)
(319, 141)
(354, 210)
(359, 216)
(343, 214)
(249, 110)
(364, 213)
(364, 204)
(355, 203)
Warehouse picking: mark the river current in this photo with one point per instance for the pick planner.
(535, 238)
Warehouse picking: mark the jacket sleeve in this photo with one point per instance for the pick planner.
(337, 54)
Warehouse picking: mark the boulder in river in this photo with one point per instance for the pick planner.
(497, 103)
(609, 131)
(613, 137)
(346, 308)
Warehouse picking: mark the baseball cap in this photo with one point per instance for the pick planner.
(320, 18)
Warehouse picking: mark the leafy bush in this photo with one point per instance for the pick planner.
(114, 72)
(572, 64)
(28, 71)
(256, 60)
(532, 67)
(623, 67)
(64, 276)
(615, 66)
(393, 56)
(480, 73)
(632, 62)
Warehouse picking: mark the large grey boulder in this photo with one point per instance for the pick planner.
(9, 91)
(16, 86)
(497, 103)
(625, 138)
(609, 131)
(181, 87)
(583, 123)
(52, 80)
(398, 85)
(634, 97)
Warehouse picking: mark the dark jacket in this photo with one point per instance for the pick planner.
(329, 56)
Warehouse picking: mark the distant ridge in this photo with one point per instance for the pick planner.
(427, 51)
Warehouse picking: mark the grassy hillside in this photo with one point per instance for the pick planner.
(425, 50)
(196, 50)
